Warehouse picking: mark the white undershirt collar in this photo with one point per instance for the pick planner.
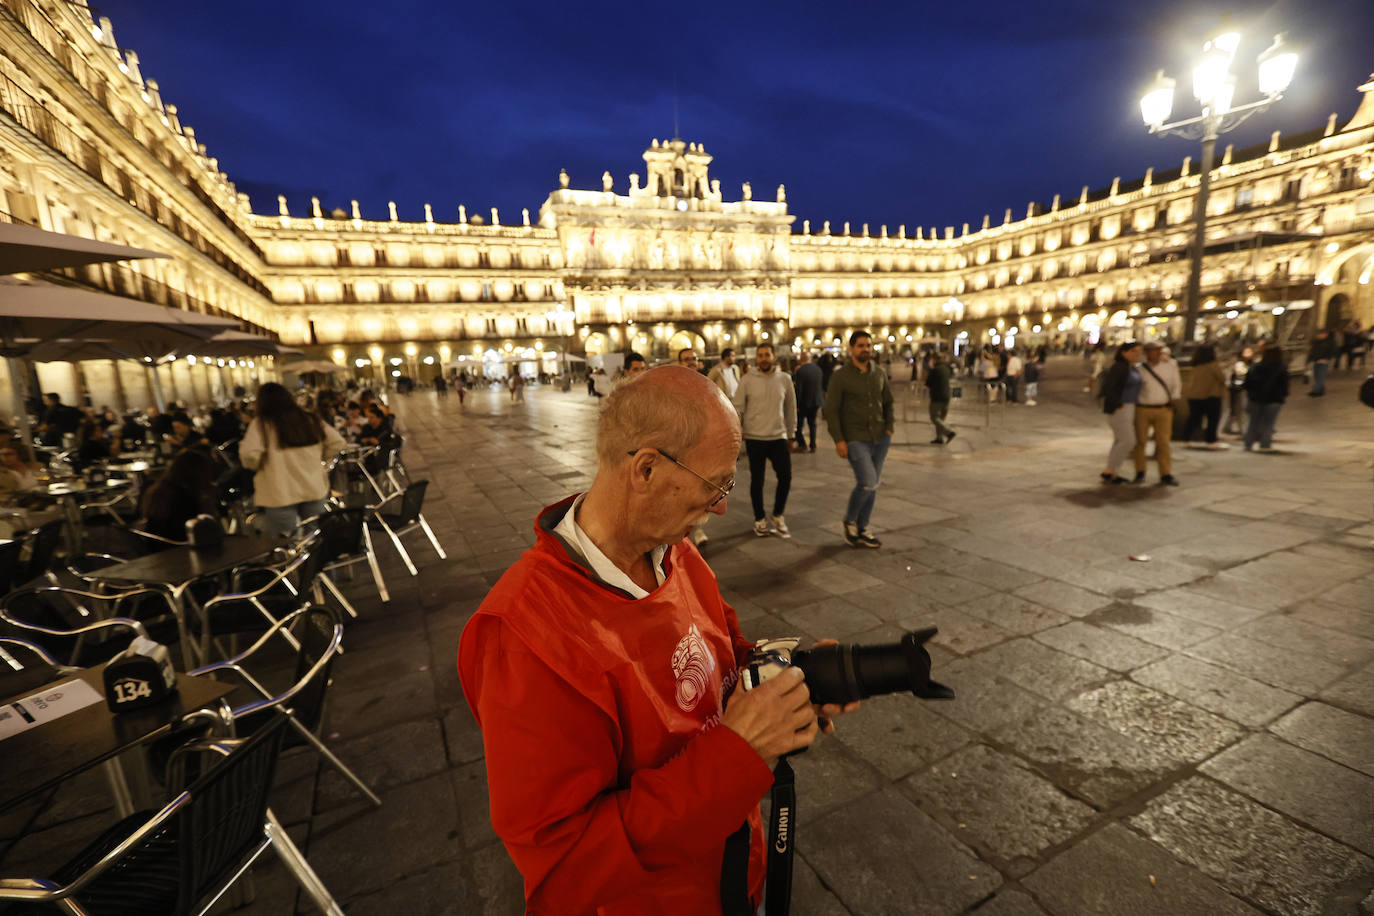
(602, 568)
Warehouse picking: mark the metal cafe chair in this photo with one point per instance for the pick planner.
(266, 598)
(26, 666)
(60, 634)
(40, 552)
(303, 702)
(400, 513)
(182, 859)
(343, 539)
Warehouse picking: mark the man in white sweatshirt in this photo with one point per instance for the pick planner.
(1160, 386)
(767, 406)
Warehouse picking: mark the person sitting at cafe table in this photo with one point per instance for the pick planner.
(377, 426)
(186, 490)
(18, 471)
(23, 495)
(93, 446)
(184, 433)
(159, 423)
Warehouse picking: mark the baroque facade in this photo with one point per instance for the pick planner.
(88, 146)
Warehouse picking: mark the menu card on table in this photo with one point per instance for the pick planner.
(48, 704)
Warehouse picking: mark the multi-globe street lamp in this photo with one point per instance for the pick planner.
(1214, 88)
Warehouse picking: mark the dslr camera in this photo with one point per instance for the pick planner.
(845, 673)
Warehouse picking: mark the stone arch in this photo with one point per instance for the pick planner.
(683, 339)
(1340, 309)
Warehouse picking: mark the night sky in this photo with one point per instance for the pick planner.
(904, 112)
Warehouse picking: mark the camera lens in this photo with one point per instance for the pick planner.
(843, 674)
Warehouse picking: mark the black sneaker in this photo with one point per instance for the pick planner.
(851, 534)
(1168, 481)
(937, 441)
(1139, 477)
(866, 539)
(949, 437)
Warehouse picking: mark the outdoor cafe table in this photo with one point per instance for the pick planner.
(42, 757)
(68, 492)
(174, 569)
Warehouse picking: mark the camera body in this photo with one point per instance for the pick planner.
(846, 673)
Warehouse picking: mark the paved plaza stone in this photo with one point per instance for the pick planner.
(1187, 734)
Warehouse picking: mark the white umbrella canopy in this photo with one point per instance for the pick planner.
(228, 344)
(24, 248)
(39, 314)
(311, 365)
(48, 323)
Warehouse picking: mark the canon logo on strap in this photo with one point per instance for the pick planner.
(784, 815)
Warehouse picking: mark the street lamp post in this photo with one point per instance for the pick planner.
(1214, 88)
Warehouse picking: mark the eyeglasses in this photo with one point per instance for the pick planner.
(721, 493)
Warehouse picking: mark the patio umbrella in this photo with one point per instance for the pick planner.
(43, 322)
(24, 248)
(312, 365)
(230, 344)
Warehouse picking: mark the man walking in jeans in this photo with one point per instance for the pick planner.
(767, 409)
(858, 413)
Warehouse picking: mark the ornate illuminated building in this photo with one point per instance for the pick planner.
(87, 146)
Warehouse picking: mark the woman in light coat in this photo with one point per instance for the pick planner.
(1206, 387)
(288, 448)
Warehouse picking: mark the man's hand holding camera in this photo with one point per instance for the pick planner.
(778, 717)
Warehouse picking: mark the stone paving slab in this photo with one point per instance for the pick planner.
(1185, 733)
(1217, 690)
(1334, 733)
(917, 869)
(1092, 761)
(1115, 871)
(1255, 853)
(972, 791)
(1335, 800)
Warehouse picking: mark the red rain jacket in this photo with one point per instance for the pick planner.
(611, 782)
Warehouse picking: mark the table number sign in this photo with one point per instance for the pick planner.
(139, 676)
(48, 704)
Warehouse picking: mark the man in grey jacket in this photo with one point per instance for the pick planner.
(767, 409)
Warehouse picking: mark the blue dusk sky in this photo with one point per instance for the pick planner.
(927, 114)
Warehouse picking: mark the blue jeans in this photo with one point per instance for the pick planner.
(866, 459)
(279, 521)
(1319, 370)
(1261, 427)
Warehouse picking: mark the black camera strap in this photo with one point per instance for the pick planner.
(782, 838)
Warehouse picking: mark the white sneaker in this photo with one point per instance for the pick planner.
(761, 528)
(699, 536)
(1218, 447)
(780, 526)
(1031, 402)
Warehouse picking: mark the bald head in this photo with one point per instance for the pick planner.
(671, 408)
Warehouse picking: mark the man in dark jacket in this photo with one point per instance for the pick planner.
(809, 383)
(1324, 350)
(58, 419)
(938, 381)
(859, 414)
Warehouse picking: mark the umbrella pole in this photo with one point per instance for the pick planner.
(156, 384)
(19, 401)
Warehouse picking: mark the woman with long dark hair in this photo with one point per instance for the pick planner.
(185, 490)
(1120, 392)
(288, 448)
(1206, 386)
(1266, 388)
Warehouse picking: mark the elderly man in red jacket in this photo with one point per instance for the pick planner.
(599, 668)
